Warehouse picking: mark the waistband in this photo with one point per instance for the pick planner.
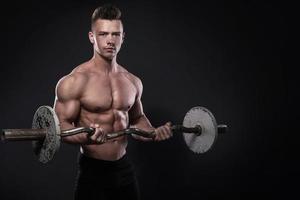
(85, 160)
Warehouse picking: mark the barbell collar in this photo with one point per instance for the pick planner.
(222, 128)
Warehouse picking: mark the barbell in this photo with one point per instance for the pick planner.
(199, 130)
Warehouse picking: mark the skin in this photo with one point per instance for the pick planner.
(102, 94)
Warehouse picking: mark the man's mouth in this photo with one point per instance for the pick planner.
(110, 49)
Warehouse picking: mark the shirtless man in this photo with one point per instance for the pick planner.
(102, 94)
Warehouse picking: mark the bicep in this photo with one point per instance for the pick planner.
(136, 111)
(67, 111)
(67, 104)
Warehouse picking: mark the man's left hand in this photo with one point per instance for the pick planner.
(163, 132)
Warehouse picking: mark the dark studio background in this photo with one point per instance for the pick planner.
(223, 55)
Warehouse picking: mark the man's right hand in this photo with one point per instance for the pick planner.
(99, 137)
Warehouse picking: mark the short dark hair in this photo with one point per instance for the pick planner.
(107, 11)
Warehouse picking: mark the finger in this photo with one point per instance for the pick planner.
(157, 135)
(96, 135)
(169, 124)
(167, 132)
(102, 138)
(162, 133)
(98, 140)
(93, 137)
(98, 132)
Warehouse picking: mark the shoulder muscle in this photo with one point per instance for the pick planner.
(70, 86)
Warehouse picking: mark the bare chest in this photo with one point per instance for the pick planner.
(109, 92)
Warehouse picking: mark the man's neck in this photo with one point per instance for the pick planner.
(105, 65)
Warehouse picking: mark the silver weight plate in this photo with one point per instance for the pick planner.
(203, 117)
(45, 118)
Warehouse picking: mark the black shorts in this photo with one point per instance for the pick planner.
(101, 179)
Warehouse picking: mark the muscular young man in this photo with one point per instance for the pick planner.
(104, 95)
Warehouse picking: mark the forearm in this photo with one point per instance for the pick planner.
(144, 124)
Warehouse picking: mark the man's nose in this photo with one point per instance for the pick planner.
(110, 40)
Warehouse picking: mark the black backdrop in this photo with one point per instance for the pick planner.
(223, 55)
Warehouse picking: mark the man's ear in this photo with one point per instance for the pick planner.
(91, 37)
(123, 37)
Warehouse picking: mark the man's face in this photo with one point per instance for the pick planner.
(107, 37)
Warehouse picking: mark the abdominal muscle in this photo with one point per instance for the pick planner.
(110, 121)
